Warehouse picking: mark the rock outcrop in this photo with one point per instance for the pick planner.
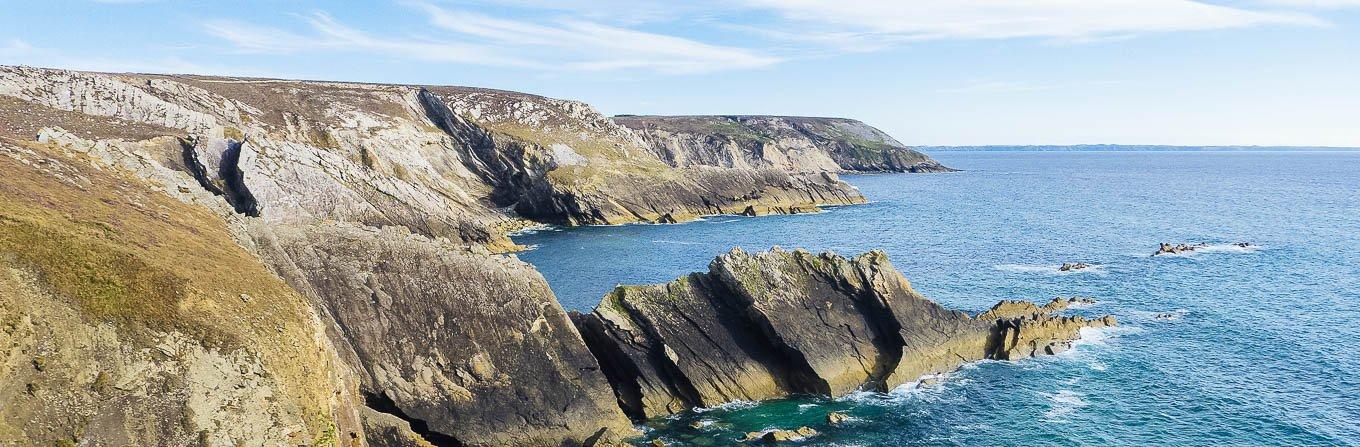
(276, 262)
(487, 359)
(130, 318)
(794, 144)
(767, 325)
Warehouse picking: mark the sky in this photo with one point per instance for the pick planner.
(929, 72)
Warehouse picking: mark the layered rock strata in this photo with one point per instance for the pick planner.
(767, 325)
(279, 262)
(790, 143)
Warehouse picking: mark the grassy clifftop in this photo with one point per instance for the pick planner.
(165, 277)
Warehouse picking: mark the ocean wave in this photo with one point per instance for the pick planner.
(1062, 404)
(729, 406)
(667, 241)
(1231, 248)
(1050, 269)
(533, 229)
(1102, 335)
(1166, 316)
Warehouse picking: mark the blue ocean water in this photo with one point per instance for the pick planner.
(1260, 348)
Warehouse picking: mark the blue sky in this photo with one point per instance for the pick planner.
(930, 72)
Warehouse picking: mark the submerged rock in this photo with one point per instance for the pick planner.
(767, 325)
(779, 435)
(1071, 266)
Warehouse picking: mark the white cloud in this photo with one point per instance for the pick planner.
(595, 36)
(593, 46)
(15, 47)
(870, 20)
(331, 35)
(480, 39)
(1315, 3)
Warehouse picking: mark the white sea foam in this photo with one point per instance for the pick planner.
(1062, 404)
(668, 241)
(1102, 335)
(730, 406)
(1214, 248)
(1050, 269)
(1175, 315)
(533, 229)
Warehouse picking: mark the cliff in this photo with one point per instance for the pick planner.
(275, 262)
(793, 144)
(130, 318)
(773, 324)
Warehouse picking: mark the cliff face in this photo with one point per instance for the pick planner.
(793, 144)
(767, 325)
(289, 262)
(130, 318)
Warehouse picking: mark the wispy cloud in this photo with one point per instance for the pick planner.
(328, 34)
(1315, 3)
(19, 52)
(853, 22)
(595, 46)
(480, 39)
(992, 86)
(15, 47)
(710, 36)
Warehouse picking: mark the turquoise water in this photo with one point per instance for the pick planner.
(1260, 348)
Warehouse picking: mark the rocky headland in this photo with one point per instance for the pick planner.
(778, 323)
(791, 143)
(278, 262)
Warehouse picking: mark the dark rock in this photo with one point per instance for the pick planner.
(771, 324)
(1070, 266)
(1169, 249)
(489, 359)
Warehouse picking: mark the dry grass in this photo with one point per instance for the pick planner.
(123, 253)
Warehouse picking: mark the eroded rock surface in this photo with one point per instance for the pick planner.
(794, 144)
(767, 325)
(469, 348)
(276, 262)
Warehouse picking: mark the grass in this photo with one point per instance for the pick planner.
(120, 252)
(737, 131)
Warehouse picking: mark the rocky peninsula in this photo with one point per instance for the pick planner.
(280, 262)
(773, 324)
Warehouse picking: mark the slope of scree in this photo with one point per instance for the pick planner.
(772, 324)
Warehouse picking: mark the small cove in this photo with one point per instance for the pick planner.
(1255, 352)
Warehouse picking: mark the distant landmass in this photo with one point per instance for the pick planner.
(1131, 148)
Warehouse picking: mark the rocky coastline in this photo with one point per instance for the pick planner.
(261, 261)
(779, 323)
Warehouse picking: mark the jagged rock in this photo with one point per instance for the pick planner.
(777, 436)
(767, 325)
(121, 322)
(386, 316)
(488, 359)
(836, 418)
(1071, 266)
(794, 144)
(1169, 249)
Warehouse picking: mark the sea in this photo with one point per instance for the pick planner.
(1224, 346)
